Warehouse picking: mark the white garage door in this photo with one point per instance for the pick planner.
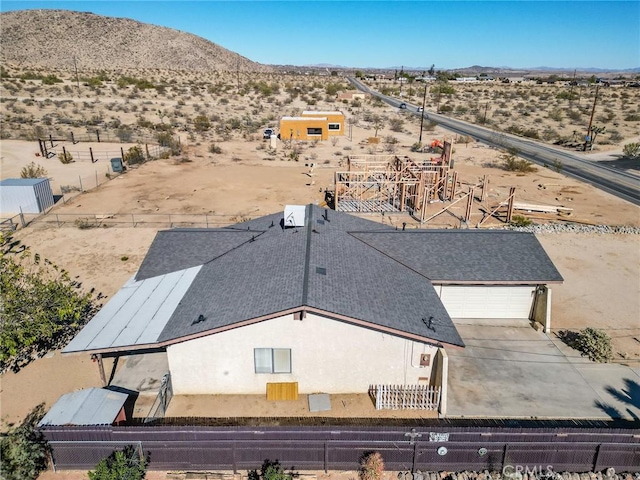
(487, 302)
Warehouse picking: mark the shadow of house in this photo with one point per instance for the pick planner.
(622, 163)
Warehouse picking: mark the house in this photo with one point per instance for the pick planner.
(350, 96)
(312, 125)
(328, 301)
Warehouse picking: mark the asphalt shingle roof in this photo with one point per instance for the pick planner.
(337, 265)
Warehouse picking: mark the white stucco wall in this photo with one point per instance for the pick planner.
(326, 356)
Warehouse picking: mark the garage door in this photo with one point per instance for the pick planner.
(487, 302)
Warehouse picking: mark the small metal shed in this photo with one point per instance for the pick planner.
(90, 406)
(26, 195)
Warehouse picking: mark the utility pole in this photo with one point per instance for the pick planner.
(401, 76)
(424, 101)
(484, 119)
(587, 138)
(75, 66)
(571, 89)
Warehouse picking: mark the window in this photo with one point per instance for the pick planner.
(272, 360)
(334, 126)
(314, 131)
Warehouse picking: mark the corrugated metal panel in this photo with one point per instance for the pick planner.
(29, 195)
(91, 406)
(136, 314)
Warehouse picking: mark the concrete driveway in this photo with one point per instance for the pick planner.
(511, 371)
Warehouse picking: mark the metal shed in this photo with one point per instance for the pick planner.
(26, 195)
(90, 406)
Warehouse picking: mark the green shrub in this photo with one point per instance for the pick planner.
(23, 449)
(512, 163)
(520, 221)
(127, 464)
(134, 155)
(201, 123)
(371, 466)
(33, 170)
(65, 157)
(271, 470)
(595, 344)
(631, 150)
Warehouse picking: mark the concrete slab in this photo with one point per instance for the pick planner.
(142, 373)
(319, 402)
(518, 372)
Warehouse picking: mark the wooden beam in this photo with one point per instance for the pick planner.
(512, 195)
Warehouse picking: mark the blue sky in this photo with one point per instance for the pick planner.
(449, 34)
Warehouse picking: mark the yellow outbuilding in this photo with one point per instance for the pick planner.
(312, 125)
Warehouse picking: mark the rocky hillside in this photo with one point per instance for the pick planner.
(51, 38)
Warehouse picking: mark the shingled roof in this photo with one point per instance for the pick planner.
(336, 265)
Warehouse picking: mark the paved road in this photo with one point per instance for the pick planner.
(616, 182)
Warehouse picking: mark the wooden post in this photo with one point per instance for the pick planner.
(64, 153)
(103, 377)
(483, 192)
(146, 146)
(51, 140)
(91, 153)
(403, 192)
(98, 135)
(512, 194)
(467, 212)
(122, 153)
(454, 185)
(73, 140)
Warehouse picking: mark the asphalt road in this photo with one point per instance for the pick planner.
(616, 182)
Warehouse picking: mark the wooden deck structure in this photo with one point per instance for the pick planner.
(389, 183)
(405, 397)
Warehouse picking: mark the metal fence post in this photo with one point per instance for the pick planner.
(58, 220)
(24, 224)
(80, 178)
(596, 461)
(326, 457)
(91, 155)
(98, 135)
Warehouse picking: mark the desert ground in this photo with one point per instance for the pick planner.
(243, 178)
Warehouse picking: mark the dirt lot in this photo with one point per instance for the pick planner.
(248, 180)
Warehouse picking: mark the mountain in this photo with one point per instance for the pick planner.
(52, 38)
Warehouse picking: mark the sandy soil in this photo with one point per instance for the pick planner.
(247, 180)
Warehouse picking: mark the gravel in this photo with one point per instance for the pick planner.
(550, 228)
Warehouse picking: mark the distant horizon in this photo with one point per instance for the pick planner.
(561, 35)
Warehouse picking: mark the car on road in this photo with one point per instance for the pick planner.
(268, 132)
(419, 109)
(403, 105)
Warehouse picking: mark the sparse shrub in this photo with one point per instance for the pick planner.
(126, 463)
(396, 124)
(124, 133)
(590, 342)
(631, 150)
(33, 170)
(520, 221)
(213, 148)
(84, 223)
(65, 157)
(632, 117)
(124, 258)
(371, 466)
(512, 163)
(134, 155)
(201, 123)
(416, 147)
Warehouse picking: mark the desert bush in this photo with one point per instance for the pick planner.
(24, 449)
(122, 464)
(271, 470)
(632, 117)
(33, 170)
(165, 139)
(396, 124)
(416, 147)
(574, 115)
(84, 223)
(520, 221)
(65, 157)
(615, 136)
(134, 155)
(590, 342)
(512, 163)
(201, 123)
(631, 150)
(124, 133)
(556, 114)
(213, 148)
(371, 466)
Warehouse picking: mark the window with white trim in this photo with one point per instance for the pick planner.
(334, 126)
(272, 360)
(311, 131)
